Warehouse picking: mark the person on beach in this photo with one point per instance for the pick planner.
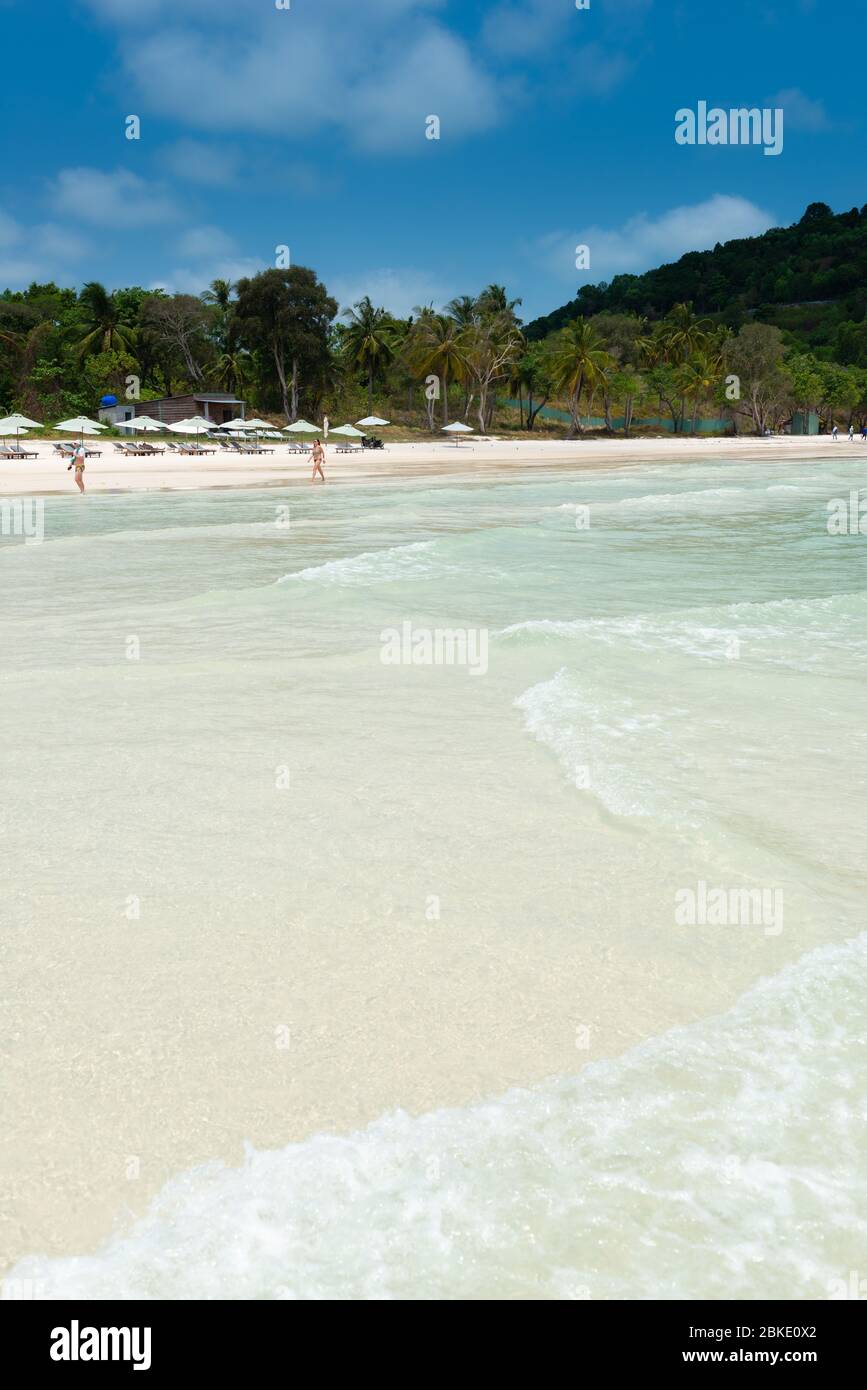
(851, 434)
(77, 463)
(318, 460)
(834, 434)
(864, 431)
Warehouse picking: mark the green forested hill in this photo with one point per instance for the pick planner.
(809, 279)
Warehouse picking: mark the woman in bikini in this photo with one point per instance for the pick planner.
(318, 460)
(78, 464)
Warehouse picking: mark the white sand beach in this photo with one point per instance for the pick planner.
(113, 472)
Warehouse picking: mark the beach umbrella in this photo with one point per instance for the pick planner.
(302, 427)
(141, 422)
(80, 425)
(457, 429)
(238, 424)
(15, 424)
(194, 425)
(348, 431)
(372, 421)
(257, 425)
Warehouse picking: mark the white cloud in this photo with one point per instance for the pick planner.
(193, 279)
(9, 230)
(548, 29)
(435, 77)
(118, 200)
(195, 161)
(206, 243)
(373, 70)
(800, 111)
(42, 252)
(399, 291)
(643, 242)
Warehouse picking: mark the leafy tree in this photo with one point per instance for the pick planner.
(179, 323)
(756, 356)
(285, 316)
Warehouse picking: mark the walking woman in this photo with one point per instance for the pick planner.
(318, 460)
(78, 464)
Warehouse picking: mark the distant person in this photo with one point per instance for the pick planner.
(834, 433)
(318, 460)
(78, 458)
(851, 434)
(864, 431)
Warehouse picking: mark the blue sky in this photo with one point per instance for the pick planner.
(306, 127)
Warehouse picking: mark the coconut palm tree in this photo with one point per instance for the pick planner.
(462, 310)
(369, 340)
(435, 345)
(219, 294)
(494, 303)
(103, 328)
(232, 369)
(682, 333)
(579, 363)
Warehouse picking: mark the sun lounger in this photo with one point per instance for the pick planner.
(15, 451)
(348, 449)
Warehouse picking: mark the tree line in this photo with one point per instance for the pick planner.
(281, 342)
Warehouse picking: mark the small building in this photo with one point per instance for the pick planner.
(805, 422)
(211, 405)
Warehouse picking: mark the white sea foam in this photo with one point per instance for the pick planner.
(724, 1160)
(398, 562)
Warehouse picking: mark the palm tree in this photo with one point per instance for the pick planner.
(219, 294)
(232, 368)
(369, 340)
(493, 302)
(435, 345)
(103, 328)
(682, 333)
(462, 310)
(579, 363)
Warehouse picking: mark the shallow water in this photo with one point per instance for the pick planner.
(223, 815)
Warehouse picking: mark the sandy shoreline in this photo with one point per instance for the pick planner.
(47, 475)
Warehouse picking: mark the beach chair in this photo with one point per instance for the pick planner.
(16, 451)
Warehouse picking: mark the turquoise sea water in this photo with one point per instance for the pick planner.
(672, 697)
